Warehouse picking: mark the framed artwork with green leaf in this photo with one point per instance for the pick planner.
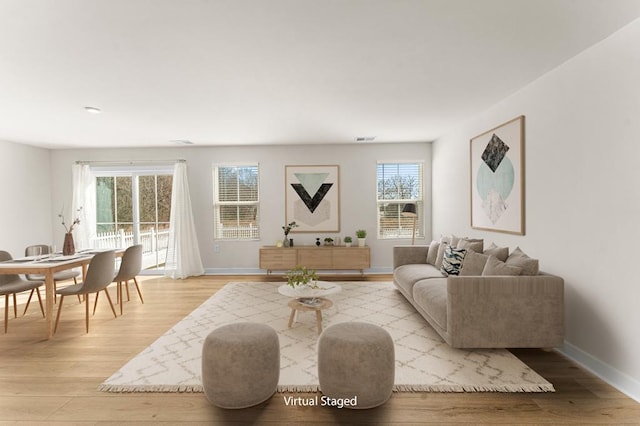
(497, 179)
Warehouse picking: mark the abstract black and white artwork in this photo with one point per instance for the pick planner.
(312, 198)
(497, 178)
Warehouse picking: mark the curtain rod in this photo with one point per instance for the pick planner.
(129, 162)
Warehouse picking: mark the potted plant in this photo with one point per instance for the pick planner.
(348, 241)
(286, 230)
(328, 241)
(362, 236)
(302, 280)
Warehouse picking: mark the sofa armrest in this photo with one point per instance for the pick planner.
(501, 311)
(407, 255)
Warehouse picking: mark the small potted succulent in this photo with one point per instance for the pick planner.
(328, 241)
(347, 241)
(362, 237)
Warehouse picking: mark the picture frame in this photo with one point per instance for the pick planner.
(312, 198)
(497, 178)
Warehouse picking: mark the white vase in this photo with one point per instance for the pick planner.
(361, 242)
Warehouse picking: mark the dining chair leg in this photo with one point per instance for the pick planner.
(28, 301)
(96, 302)
(135, 281)
(6, 313)
(15, 306)
(40, 302)
(126, 283)
(55, 327)
(86, 309)
(111, 304)
(120, 296)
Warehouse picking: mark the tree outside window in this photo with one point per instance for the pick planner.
(399, 184)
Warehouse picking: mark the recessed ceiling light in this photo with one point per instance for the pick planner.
(181, 142)
(365, 138)
(92, 110)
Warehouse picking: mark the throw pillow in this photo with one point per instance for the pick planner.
(432, 254)
(450, 239)
(495, 267)
(473, 263)
(476, 245)
(452, 260)
(520, 259)
(502, 253)
(441, 249)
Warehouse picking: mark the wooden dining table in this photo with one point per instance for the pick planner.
(48, 265)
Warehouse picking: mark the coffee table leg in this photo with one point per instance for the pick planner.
(319, 320)
(292, 317)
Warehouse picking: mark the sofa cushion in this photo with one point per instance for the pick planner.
(407, 275)
(441, 248)
(452, 260)
(496, 267)
(502, 253)
(431, 296)
(476, 245)
(473, 263)
(432, 254)
(520, 259)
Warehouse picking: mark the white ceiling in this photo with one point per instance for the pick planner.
(225, 72)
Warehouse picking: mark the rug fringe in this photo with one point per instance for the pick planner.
(474, 388)
(151, 388)
(315, 388)
(297, 388)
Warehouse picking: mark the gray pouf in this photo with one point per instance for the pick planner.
(240, 365)
(356, 360)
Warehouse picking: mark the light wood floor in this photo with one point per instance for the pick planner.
(51, 382)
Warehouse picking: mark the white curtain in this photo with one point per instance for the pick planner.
(183, 253)
(83, 206)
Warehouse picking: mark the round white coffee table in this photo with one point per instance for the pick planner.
(309, 300)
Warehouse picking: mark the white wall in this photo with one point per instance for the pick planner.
(357, 191)
(582, 195)
(25, 217)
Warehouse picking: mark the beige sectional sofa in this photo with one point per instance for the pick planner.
(476, 310)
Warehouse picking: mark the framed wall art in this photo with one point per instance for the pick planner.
(312, 198)
(497, 179)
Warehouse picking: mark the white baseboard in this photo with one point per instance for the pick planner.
(619, 380)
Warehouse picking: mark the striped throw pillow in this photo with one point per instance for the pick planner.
(452, 260)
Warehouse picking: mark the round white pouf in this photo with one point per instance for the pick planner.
(356, 363)
(240, 365)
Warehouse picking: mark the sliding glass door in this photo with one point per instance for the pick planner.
(134, 207)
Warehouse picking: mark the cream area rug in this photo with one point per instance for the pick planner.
(424, 362)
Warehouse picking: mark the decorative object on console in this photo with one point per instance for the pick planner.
(312, 197)
(328, 241)
(291, 225)
(347, 241)
(362, 237)
(497, 178)
(410, 211)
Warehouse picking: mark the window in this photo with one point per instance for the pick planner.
(133, 206)
(399, 184)
(236, 202)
